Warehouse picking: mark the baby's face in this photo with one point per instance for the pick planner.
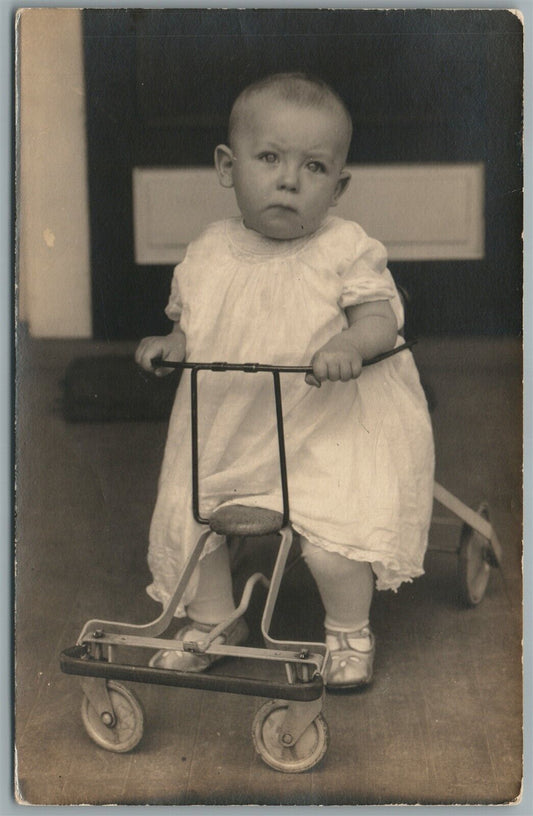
(287, 166)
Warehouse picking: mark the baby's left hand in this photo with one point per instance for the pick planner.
(338, 359)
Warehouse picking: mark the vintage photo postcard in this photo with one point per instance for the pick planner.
(268, 407)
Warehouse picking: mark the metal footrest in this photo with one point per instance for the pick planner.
(75, 661)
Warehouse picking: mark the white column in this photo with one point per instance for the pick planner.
(53, 226)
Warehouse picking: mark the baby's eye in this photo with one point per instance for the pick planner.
(316, 167)
(269, 158)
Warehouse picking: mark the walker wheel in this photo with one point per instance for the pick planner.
(126, 732)
(473, 569)
(304, 755)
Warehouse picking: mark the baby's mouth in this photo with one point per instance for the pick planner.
(283, 207)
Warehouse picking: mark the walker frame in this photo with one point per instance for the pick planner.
(289, 732)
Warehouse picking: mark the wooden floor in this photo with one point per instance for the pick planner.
(442, 721)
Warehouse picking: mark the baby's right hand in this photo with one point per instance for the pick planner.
(168, 347)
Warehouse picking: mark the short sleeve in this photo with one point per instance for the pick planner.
(365, 276)
(174, 306)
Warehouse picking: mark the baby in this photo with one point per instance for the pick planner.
(288, 284)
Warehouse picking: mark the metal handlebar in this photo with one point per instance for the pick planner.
(252, 368)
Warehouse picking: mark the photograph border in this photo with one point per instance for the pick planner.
(8, 240)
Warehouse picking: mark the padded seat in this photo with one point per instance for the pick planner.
(239, 520)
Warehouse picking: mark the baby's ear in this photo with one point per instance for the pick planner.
(341, 187)
(224, 165)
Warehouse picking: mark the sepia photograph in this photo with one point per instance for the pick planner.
(268, 407)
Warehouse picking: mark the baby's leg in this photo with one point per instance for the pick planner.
(346, 588)
(214, 597)
(212, 603)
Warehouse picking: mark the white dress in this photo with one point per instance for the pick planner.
(359, 454)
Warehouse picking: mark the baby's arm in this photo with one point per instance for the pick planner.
(169, 347)
(372, 330)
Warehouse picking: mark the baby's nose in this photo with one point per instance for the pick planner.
(289, 178)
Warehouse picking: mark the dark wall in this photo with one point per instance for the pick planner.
(422, 86)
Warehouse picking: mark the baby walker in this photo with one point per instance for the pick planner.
(289, 731)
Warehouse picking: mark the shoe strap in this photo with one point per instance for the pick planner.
(208, 627)
(361, 634)
(201, 627)
(343, 638)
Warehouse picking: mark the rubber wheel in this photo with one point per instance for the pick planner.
(127, 731)
(473, 567)
(302, 756)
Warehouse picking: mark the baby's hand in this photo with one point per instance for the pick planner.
(338, 359)
(169, 347)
